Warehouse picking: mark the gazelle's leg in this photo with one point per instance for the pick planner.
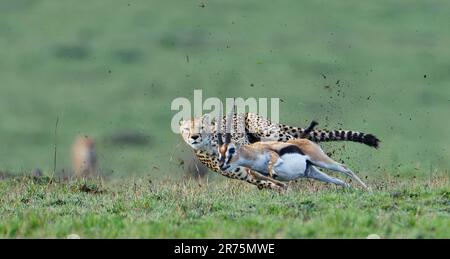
(259, 176)
(340, 168)
(318, 158)
(270, 169)
(315, 173)
(255, 178)
(273, 160)
(345, 170)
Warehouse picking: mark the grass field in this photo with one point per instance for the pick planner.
(139, 208)
(109, 69)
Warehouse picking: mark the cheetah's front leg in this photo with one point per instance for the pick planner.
(241, 173)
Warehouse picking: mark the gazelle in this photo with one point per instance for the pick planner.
(281, 161)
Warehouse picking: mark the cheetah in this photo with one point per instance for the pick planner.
(201, 135)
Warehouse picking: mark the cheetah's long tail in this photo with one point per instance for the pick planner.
(338, 135)
(313, 135)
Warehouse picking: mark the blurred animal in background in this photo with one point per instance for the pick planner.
(84, 157)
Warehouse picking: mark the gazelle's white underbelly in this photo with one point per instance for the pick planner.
(260, 164)
(290, 167)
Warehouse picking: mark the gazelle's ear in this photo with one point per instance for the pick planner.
(229, 124)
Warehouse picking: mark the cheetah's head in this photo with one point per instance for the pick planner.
(196, 132)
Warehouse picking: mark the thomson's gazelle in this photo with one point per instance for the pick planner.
(298, 158)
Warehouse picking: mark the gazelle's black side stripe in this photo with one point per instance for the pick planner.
(290, 149)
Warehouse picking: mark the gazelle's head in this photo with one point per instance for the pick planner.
(228, 152)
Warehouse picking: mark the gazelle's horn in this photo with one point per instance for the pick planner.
(219, 127)
(240, 124)
(229, 124)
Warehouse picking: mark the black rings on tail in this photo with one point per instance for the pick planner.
(342, 135)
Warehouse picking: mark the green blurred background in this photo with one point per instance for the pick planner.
(109, 67)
